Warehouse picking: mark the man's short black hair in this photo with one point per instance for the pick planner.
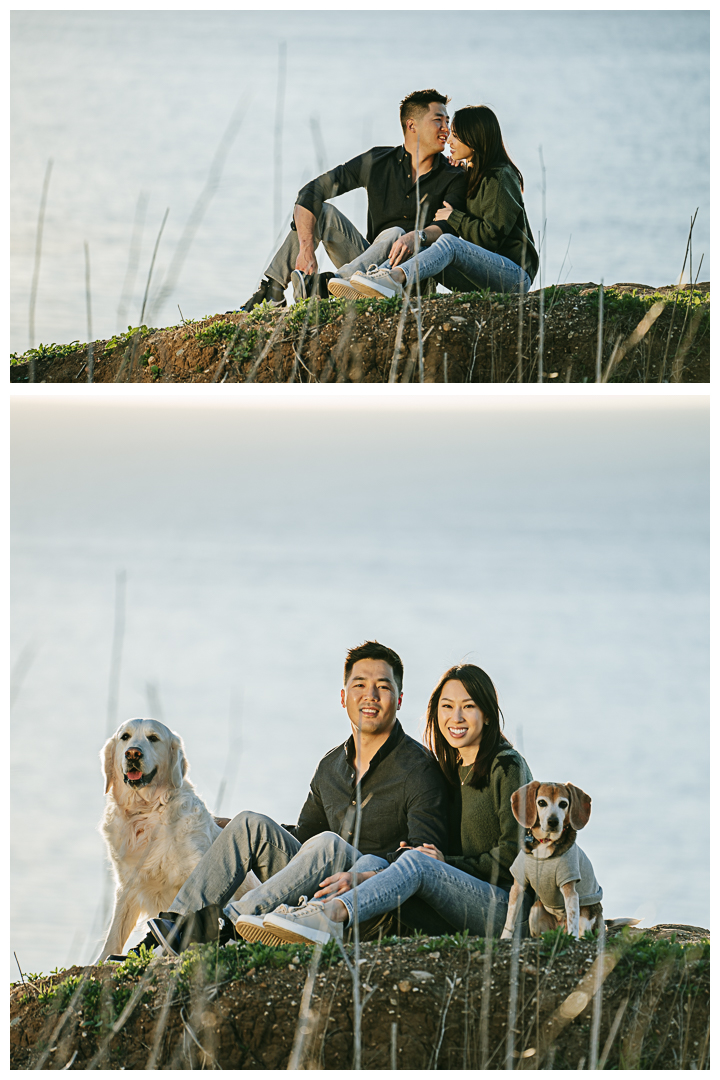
(373, 650)
(419, 102)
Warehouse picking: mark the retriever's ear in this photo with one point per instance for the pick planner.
(580, 806)
(178, 762)
(523, 804)
(107, 760)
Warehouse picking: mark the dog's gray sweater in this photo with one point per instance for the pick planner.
(546, 876)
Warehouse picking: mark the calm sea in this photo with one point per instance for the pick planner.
(563, 547)
(133, 108)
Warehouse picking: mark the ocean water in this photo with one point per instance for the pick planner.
(562, 546)
(133, 108)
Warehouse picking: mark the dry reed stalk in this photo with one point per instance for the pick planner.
(541, 314)
(598, 358)
(336, 357)
(512, 1000)
(520, 318)
(451, 984)
(152, 265)
(268, 346)
(228, 349)
(632, 1043)
(36, 265)
(156, 1050)
(597, 1000)
(614, 1028)
(307, 1021)
(683, 347)
(355, 970)
(133, 260)
(393, 1045)
(116, 652)
(88, 308)
(201, 204)
(677, 293)
(58, 1027)
(621, 350)
(278, 132)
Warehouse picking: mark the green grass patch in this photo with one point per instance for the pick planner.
(47, 352)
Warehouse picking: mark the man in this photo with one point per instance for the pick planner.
(389, 175)
(403, 796)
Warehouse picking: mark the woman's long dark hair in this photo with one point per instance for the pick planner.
(480, 688)
(477, 126)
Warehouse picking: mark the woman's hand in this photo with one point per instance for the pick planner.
(427, 849)
(337, 884)
(432, 851)
(444, 214)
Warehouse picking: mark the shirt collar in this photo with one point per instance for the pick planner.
(401, 152)
(396, 735)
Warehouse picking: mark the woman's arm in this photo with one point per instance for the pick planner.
(492, 213)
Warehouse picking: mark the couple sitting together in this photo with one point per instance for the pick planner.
(436, 839)
(473, 230)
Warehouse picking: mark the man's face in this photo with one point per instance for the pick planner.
(432, 128)
(371, 697)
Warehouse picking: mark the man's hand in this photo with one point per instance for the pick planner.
(403, 248)
(222, 821)
(341, 883)
(444, 214)
(306, 260)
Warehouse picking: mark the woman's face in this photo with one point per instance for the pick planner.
(461, 721)
(458, 150)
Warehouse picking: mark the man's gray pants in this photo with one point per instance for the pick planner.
(286, 868)
(347, 248)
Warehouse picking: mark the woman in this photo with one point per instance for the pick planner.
(494, 247)
(470, 890)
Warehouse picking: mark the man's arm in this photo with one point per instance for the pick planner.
(428, 808)
(312, 819)
(347, 177)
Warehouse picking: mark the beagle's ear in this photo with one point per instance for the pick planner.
(178, 762)
(523, 804)
(107, 760)
(580, 806)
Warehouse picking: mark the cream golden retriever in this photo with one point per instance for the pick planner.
(155, 825)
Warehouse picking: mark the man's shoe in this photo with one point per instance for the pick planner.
(171, 931)
(306, 286)
(376, 282)
(269, 290)
(148, 941)
(307, 922)
(250, 928)
(341, 287)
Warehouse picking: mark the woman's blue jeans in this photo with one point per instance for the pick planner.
(466, 902)
(458, 264)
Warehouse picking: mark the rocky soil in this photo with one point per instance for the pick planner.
(447, 1003)
(649, 335)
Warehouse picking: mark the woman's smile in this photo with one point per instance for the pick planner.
(461, 720)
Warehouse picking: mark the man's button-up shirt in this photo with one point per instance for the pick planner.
(386, 174)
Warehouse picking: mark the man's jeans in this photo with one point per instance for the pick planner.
(466, 902)
(287, 869)
(347, 248)
(458, 264)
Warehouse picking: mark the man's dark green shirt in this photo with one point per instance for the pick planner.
(403, 796)
(386, 173)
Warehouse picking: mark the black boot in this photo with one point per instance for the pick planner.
(269, 290)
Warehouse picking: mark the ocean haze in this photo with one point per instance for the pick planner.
(562, 546)
(126, 102)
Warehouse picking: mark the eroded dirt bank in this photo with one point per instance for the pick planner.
(648, 335)
(442, 1003)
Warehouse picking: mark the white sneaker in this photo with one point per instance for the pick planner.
(307, 922)
(250, 928)
(341, 287)
(376, 282)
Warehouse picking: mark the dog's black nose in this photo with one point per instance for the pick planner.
(133, 751)
(553, 822)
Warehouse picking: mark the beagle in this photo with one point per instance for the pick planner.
(551, 863)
